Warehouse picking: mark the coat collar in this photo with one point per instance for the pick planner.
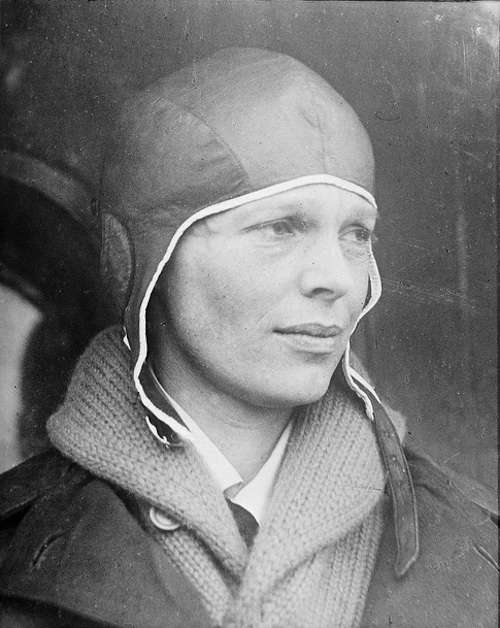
(330, 480)
(102, 427)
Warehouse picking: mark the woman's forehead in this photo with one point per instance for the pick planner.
(310, 199)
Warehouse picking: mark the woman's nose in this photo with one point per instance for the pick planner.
(325, 272)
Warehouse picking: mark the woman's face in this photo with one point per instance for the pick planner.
(262, 299)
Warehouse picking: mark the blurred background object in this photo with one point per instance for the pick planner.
(423, 77)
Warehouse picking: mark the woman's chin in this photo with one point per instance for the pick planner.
(294, 393)
(311, 395)
(280, 386)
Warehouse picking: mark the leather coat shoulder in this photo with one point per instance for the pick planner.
(78, 557)
(454, 581)
(22, 485)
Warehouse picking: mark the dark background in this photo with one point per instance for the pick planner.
(423, 78)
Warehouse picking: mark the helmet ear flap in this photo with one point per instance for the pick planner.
(116, 263)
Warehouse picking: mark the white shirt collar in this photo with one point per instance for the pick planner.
(256, 494)
(253, 496)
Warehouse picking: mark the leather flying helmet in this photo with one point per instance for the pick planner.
(240, 125)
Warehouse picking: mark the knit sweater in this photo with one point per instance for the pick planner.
(313, 557)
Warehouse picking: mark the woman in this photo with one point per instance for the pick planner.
(237, 211)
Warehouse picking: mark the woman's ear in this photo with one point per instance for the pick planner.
(116, 263)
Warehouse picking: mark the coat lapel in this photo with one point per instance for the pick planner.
(454, 581)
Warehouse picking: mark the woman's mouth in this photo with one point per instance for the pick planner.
(311, 337)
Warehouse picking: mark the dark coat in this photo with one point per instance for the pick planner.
(76, 556)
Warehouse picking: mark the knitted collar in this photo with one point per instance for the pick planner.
(330, 481)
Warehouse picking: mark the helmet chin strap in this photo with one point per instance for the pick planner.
(399, 477)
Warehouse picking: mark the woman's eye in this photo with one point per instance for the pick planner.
(277, 229)
(357, 241)
(363, 235)
(281, 228)
(359, 234)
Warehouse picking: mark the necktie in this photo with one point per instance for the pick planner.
(246, 522)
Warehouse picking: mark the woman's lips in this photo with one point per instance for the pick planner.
(311, 337)
(312, 329)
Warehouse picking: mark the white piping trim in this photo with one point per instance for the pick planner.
(364, 383)
(349, 372)
(162, 439)
(209, 211)
(375, 287)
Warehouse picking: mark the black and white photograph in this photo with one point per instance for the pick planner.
(248, 314)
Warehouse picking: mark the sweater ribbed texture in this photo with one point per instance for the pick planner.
(313, 557)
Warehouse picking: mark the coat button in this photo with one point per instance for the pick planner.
(162, 521)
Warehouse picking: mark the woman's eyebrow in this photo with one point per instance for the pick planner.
(365, 212)
(269, 212)
(293, 209)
